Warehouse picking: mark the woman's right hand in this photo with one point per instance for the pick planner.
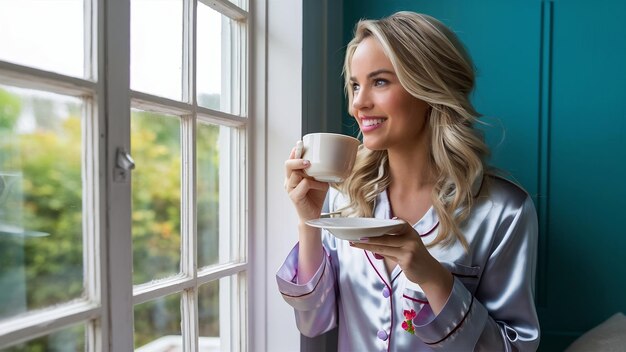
(306, 193)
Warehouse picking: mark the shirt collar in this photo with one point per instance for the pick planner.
(430, 220)
(424, 225)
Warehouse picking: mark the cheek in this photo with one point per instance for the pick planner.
(408, 109)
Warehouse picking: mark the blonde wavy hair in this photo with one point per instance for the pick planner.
(433, 66)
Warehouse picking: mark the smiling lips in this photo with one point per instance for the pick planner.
(370, 124)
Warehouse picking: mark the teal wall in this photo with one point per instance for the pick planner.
(551, 83)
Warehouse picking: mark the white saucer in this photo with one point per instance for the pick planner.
(353, 229)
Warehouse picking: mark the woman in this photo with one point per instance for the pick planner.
(460, 275)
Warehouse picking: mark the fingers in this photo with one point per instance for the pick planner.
(293, 179)
(300, 189)
(398, 240)
(396, 237)
(382, 249)
(391, 245)
(295, 164)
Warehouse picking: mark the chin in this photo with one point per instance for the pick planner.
(372, 144)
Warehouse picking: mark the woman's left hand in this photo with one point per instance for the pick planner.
(407, 250)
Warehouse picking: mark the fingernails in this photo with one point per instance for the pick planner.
(364, 239)
(306, 162)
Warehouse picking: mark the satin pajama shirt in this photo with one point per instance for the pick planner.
(490, 308)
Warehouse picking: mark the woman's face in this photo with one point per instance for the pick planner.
(389, 117)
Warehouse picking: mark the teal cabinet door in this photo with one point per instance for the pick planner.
(586, 238)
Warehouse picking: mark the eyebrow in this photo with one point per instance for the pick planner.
(375, 73)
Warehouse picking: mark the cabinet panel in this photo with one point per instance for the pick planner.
(587, 200)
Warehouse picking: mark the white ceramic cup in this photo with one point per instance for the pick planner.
(331, 155)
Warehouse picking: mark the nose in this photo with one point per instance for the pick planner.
(361, 100)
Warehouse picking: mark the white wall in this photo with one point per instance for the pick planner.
(272, 322)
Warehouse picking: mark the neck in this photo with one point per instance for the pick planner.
(411, 171)
(412, 182)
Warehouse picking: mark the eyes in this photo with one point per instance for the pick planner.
(377, 82)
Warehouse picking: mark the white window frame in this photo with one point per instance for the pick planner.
(107, 310)
(277, 125)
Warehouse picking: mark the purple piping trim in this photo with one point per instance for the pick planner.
(318, 282)
(390, 297)
(391, 327)
(391, 216)
(376, 270)
(395, 277)
(430, 231)
(456, 327)
(461, 275)
(415, 299)
(437, 224)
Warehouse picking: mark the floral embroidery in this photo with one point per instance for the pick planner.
(407, 325)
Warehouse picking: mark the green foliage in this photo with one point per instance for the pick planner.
(71, 339)
(156, 195)
(156, 318)
(10, 107)
(207, 186)
(49, 160)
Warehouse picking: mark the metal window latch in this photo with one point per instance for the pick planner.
(124, 160)
(123, 164)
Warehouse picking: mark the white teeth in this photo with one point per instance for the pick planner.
(372, 122)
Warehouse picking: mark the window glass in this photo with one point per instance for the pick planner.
(156, 195)
(156, 49)
(214, 183)
(70, 339)
(241, 3)
(31, 36)
(41, 195)
(214, 304)
(158, 325)
(55, 189)
(215, 73)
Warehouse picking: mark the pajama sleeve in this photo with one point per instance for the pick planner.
(501, 315)
(314, 302)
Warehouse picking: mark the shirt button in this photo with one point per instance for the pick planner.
(382, 334)
(386, 292)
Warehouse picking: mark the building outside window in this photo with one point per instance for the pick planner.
(124, 133)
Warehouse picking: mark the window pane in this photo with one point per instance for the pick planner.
(157, 325)
(156, 51)
(216, 78)
(43, 34)
(214, 303)
(215, 180)
(41, 251)
(241, 3)
(71, 339)
(156, 185)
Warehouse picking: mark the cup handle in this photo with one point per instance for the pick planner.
(299, 147)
